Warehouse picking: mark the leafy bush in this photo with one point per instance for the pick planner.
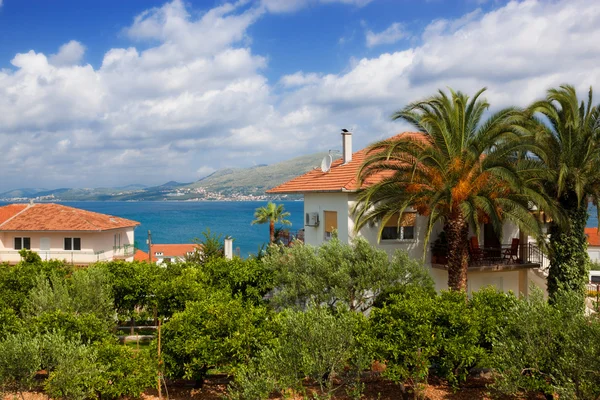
(124, 372)
(9, 322)
(86, 328)
(20, 359)
(76, 374)
(248, 278)
(338, 272)
(217, 331)
(553, 349)
(316, 344)
(179, 286)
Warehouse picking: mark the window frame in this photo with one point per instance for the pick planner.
(22, 243)
(328, 232)
(399, 230)
(72, 241)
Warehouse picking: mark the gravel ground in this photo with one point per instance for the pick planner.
(215, 389)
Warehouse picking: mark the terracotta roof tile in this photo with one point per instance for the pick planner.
(340, 178)
(56, 217)
(593, 236)
(9, 211)
(141, 256)
(174, 250)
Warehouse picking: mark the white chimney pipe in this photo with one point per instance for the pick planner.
(228, 248)
(347, 145)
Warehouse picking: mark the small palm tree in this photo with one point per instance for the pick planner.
(568, 136)
(459, 170)
(271, 214)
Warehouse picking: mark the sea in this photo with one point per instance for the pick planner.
(182, 222)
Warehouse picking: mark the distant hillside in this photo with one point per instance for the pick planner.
(224, 184)
(256, 180)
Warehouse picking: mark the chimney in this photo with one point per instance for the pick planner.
(347, 145)
(228, 247)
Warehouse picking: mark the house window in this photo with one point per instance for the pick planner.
(72, 243)
(159, 253)
(117, 240)
(400, 230)
(22, 243)
(331, 223)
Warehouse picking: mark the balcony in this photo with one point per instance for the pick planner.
(502, 257)
(122, 252)
(77, 257)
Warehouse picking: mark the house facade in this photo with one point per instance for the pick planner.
(511, 263)
(55, 231)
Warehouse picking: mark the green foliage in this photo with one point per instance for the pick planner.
(180, 284)
(131, 284)
(48, 295)
(316, 344)
(9, 322)
(76, 374)
(211, 247)
(30, 257)
(248, 278)
(553, 349)
(20, 359)
(218, 330)
(271, 214)
(84, 327)
(91, 293)
(416, 331)
(124, 371)
(595, 265)
(336, 272)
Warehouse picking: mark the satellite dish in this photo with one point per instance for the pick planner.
(326, 163)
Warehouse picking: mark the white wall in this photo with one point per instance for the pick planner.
(320, 202)
(594, 253)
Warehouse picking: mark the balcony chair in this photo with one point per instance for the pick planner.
(511, 254)
(475, 251)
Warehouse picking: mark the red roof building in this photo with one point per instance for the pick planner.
(56, 231)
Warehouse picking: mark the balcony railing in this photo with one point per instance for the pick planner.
(72, 256)
(287, 237)
(124, 251)
(509, 255)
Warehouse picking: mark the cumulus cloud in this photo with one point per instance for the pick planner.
(69, 53)
(391, 35)
(286, 6)
(179, 105)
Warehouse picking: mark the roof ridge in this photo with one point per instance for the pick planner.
(82, 216)
(17, 214)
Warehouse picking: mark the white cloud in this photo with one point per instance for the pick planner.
(69, 53)
(391, 35)
(180, 105)
(287, 6)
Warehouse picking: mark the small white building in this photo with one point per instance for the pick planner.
(330, 195)
(55, 231)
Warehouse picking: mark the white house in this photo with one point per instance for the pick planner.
(56, 231)
(330, 195)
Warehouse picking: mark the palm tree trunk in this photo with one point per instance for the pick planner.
(272, 231)
(569, 260)
(457, 233)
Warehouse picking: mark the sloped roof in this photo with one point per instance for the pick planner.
(174, 250)
(593, 236)
(56, 217)
(141, 256)
(340, 178)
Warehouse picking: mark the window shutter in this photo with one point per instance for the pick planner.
(330, 220)
(408, 219)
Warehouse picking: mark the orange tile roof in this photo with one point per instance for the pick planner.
(141, 256)
(340, 178)
(174, 250)
(593, 236)
(9, 211)
(56, 217)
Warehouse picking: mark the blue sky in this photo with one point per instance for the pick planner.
(108, 93)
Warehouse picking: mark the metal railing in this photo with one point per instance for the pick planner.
(505, 254)
(71, 256)
(287, 237)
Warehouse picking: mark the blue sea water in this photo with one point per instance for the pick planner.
(181, 222)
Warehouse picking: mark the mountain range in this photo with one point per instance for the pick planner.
(224, 184)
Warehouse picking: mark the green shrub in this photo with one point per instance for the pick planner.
(20, 359)
(86, 328)
(216, 331)
(553, 349)
(10, 323)
(125, 372)
(317, 344)
(352, 274)
(179, 286)
(76, 374)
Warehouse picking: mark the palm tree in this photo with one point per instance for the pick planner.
(458, 169)
(272, 214)
(568, 134)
